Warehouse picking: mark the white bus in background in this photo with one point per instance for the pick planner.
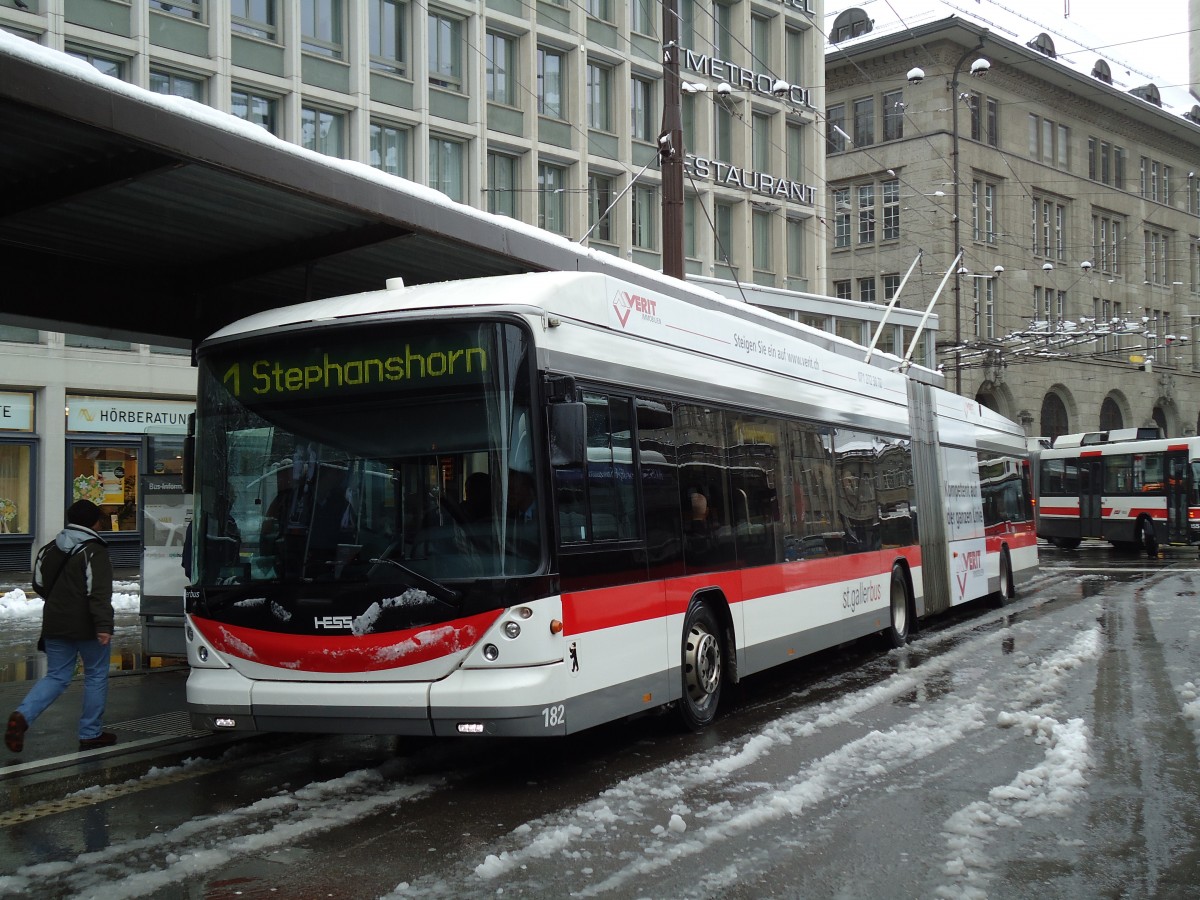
(530, 504)
(1130, 487)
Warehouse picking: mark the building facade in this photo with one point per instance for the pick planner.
(1071, 184)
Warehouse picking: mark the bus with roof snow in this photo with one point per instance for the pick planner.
(1131, 487)
(530, 504)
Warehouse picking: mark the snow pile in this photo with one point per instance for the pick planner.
(16, 604)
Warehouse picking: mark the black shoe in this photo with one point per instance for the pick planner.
(14, 734)
(106, 739)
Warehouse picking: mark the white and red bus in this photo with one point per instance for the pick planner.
(530, 504)
(1130, 487)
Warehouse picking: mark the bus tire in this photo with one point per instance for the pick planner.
(702, 667)
(1005, 591)
(1146, 538)
(1065, 543)
(897, 633)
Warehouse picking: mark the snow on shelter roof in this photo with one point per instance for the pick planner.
(1066, 42)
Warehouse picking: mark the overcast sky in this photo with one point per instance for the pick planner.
(1150, 34)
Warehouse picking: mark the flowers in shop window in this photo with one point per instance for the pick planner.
(88, 487)
(8, 514)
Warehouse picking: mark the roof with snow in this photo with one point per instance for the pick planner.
(1066, 43)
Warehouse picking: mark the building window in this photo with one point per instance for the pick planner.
(866, 213)
(796, 231)
(107, 474)
(1049, 228)
(760, 140)
(321, 130)
(164, 82)
(1194, 266)
(501, 184)
(107, 65)
(445, 51)
(641, 103)
(600, 9)
(600, 198)
(793, 56)
(1107, 237)
(983, 206)
(90, 342)
(1049, 142)
(722, 134)
(841, 289)
(641, 16)
(992, 118)
(389, 149)
(501, 74)
(760, 43)
(599, 97)
(841, 218)
(723, 30)
(1157, 246)
(184, 9)
(321, 28)
(893, 116)
(254, 108)
(890, 193)
(866, 290)
(645, 221)
(795, 152)
(864, 122)
(446, 167)
(552, 198)
(550, 100)
(761, 238)
(17, 487)
(257, 18)
(835, 129)
(723, 232)
(891, 284)
(389, 35)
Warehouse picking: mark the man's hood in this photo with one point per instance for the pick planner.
(69, 539)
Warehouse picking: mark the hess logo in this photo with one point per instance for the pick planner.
(338, 622)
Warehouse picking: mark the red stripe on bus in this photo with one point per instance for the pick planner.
(1091, 453)
(1177, 447)
(346, 652)
(585, 611)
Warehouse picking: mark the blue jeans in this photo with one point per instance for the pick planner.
(60, 668)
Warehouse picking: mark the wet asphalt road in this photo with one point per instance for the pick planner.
(1049, 749)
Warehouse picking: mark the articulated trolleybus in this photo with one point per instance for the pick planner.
(530, 504)
(1130, 487)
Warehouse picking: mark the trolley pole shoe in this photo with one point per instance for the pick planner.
(106, 739)
(14, 734)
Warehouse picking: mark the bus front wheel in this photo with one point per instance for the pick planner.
(702, 667)
(897, 632)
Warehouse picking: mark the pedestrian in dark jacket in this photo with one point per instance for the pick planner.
(77, 622)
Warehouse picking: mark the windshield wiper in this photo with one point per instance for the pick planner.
(428, 585)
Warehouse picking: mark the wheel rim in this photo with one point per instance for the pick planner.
(899, 608)
(702, 664)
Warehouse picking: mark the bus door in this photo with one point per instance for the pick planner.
(1091, 497)
(1177, 496)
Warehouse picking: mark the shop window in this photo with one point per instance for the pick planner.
(108, 476)
(16, 488)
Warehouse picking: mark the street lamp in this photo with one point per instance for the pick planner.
(979, 68)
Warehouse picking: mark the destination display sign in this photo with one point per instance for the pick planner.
(445, 359)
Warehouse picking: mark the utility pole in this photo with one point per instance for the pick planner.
(670, 145)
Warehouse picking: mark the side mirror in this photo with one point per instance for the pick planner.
(568, 434)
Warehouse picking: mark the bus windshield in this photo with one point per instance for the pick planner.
(398, 454)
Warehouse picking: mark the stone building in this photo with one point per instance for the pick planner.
(1070, 181)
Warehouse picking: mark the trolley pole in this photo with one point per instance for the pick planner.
(670, 145)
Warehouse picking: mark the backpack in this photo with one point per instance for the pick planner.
(44, 584)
